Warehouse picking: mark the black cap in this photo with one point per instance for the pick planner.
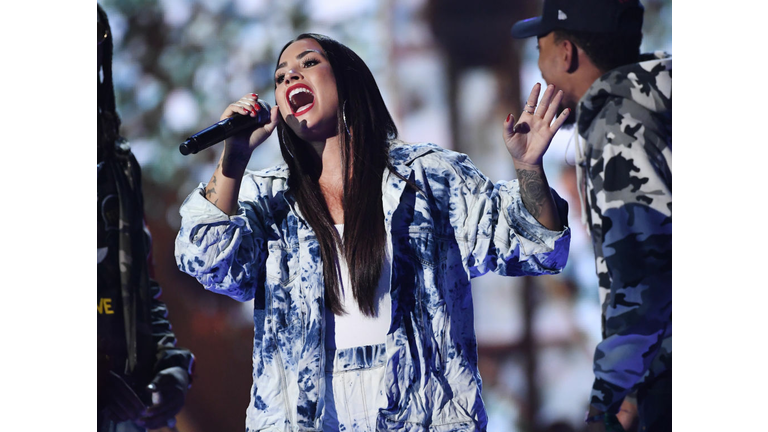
(596, 16)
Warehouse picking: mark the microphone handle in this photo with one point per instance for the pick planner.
(224, 129)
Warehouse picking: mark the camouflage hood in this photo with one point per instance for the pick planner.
(647, 83)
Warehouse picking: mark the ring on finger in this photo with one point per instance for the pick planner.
(529, 112)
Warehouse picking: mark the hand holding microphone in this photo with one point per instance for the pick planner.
(223, 189)
(248, 122)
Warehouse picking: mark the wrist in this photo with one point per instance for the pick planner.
(234, 153)
(234, 161)
(521, 165)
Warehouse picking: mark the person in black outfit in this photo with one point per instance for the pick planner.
(142, 376)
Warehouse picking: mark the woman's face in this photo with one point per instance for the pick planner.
(305, 91)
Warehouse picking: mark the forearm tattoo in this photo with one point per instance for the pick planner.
(533, 190)
(210, 190)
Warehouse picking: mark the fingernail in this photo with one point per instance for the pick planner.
(257, 107)
(509, 116)
(254, 95)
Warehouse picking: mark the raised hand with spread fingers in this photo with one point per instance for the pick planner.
(527, 141)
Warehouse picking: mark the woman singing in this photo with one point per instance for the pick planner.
(358, 251)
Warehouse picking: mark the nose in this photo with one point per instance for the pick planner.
(292, 75)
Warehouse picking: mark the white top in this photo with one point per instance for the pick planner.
(353, 328)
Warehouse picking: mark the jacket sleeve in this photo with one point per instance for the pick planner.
(227, 254)
(497, 232)
(168, 354)
(632, 194)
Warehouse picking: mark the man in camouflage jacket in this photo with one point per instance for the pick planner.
(623, 100)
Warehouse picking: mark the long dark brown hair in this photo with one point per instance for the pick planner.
(365, 157)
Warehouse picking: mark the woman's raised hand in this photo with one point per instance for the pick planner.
(529, 138)
(248, 141)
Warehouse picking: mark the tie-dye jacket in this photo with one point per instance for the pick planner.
(458, 226)
(625, 119)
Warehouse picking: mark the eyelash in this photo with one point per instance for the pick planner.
(308, 63)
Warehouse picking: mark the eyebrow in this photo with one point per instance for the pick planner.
(299, 57)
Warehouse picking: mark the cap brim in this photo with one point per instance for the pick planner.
(528, 28)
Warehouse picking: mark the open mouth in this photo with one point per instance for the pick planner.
(300, 98)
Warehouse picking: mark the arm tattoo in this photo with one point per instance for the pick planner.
(533, 190)
(210, 190)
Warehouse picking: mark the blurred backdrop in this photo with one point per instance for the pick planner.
(450, 73)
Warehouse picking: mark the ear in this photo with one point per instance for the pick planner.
(569, 55)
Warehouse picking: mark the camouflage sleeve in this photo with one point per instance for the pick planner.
(496, 231)
(227, 254)
(632, 196)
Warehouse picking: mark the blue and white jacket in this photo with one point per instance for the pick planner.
(460, 225)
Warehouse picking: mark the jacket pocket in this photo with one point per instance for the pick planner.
(282, 262)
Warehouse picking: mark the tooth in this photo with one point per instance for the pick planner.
(294, 92)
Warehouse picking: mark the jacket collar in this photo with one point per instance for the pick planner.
(401, 155)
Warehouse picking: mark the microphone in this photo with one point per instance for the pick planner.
(225, 129)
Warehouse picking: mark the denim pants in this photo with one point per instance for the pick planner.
(354, 388)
